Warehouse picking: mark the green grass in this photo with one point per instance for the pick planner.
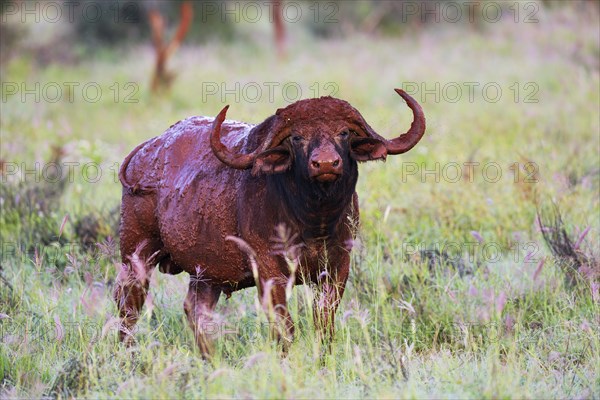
(504, 330)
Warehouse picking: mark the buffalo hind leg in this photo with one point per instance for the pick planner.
(131, 288)
(140, 248)
(198, 306)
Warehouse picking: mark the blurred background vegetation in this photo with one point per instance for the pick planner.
(79, 34)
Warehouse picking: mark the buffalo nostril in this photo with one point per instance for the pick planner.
(315, 164)
(336, 163)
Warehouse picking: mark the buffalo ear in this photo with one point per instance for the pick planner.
(272, 161)
(367, 148)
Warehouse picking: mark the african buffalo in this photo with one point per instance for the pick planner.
(206, 198)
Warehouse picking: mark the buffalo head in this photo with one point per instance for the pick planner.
(319, 139)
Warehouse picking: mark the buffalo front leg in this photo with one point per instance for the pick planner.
(199, 305)
(330, 289)
(275, 304)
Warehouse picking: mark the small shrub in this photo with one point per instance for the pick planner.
(565, 250)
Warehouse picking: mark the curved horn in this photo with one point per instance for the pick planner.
(242, 161)
(408, 140)
(233, 160)
(404, 142)
(275, 138)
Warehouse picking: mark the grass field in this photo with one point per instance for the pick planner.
(493, 313)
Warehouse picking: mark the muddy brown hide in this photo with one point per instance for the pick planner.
(209, 195)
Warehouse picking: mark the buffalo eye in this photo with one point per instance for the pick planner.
(344, 134)
(297, 138)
